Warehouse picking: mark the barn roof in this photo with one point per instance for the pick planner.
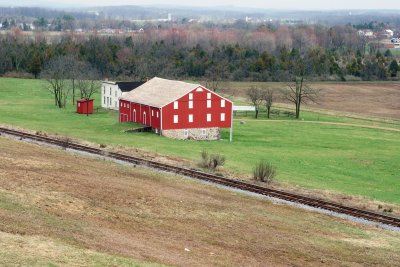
(159, 92)
(128, 86)
(125, 86)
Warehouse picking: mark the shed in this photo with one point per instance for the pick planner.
(84, 106)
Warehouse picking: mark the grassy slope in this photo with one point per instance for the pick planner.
(23, 250)
(54, 212)
(351, 160)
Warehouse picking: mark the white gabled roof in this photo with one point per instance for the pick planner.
(159, 92)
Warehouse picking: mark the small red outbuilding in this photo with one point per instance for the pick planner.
(84, 106)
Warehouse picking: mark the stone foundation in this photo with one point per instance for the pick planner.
(194, 134)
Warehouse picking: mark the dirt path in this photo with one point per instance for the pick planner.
(328, 123)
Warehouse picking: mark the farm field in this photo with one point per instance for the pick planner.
(60, 209)
(344, 159)
(377, 99)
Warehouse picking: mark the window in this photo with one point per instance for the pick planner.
(208, 95)
(152, 113)
(110, 90)
(222, 103)
(185, 133)
(190, 104)
(79, 104)
(121, 104)
(190, 117)
(104, 100)
(175, 118)
(208, 103)
(104, 90)
(203, 132)
(157, 114)
(222, 116)
(116, 104)
(208, 117)
(190, 96)
(199, 90)
(175, 104)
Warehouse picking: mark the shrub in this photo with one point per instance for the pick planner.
(211, 161)
(388, 210)
(264, 172)
(66, 141)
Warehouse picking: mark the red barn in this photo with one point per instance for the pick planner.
(84, 106)
(177, 109)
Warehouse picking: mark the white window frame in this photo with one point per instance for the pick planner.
(222, 116)
(157, 114)
(176, 105)
(222, 103)
(152, 113)
(209, 118)
(186, 133)
(203, 132)
(191, 96)
(208, 103)
(190, 104)
(176, 119)
(208, 95)
(190, 118)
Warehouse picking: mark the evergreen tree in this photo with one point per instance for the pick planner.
(393, 68)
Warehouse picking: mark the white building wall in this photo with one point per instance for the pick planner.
(110, 94)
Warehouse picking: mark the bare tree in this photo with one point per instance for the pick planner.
(86, 81)
(56, 73)
(215, 75)
(268, 97)
(256, 97)
(300, 93)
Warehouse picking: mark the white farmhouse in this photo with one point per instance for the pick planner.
(112, 91)
(389, 33)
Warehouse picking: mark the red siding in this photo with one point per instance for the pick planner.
(199, 112)
(142, 114)
(138, 113)
(84, 106)
(123, 111)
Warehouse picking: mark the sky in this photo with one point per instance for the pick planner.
(267, 4)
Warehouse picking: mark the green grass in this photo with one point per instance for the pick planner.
(350, 160)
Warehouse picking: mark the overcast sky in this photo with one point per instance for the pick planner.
(276, 4)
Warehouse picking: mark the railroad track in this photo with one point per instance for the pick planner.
(296, 198)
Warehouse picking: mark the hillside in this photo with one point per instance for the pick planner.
(100, 213)
(352, 161)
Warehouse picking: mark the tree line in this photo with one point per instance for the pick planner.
(211, 55)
